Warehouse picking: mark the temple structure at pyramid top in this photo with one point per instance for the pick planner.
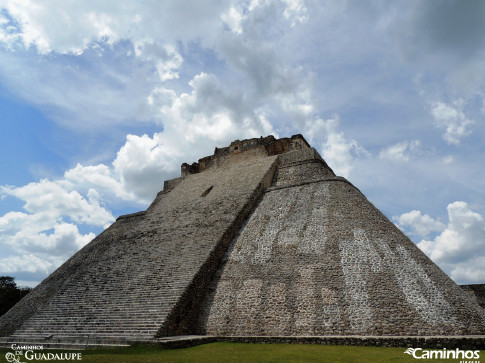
(259, 239)
(268, 146)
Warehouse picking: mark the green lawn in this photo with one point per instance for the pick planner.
(240, 352)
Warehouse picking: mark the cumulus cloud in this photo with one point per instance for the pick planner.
(55, 199)
(212, 111)
(142, 162)
(106, 55)
(469, 272)
(102, 60)
(399, 152)
(452, 120)
(47, 232)
(338, 151)
(246, 17)
(295, 11)
(232, 18)
(165, 57)
(25, 263)
(421, 225)
(72, 27)
(100, 179)
(460, 248)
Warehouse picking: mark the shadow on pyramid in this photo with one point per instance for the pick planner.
(259, 239)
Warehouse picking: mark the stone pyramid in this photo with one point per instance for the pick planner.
(259, 239)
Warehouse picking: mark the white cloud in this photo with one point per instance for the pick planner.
(90, 65)
(460, 248)
(165, 57)
(297, 102)
(295, 11)
(212, 112)
(421, 225)
(99, 178)
(48, 233)
(106, 55)
(61, 240)
(470, 272)
(244, 17)
(338, 151)
(448, 159)
(25, 263)
(142, 164)
(233, 19)
(399, 152)
(72, 27)
(452, 120)
(54, 199)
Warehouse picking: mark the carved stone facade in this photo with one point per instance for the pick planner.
(259, 239)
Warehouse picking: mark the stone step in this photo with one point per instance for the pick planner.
(90, 332)
(77, 328)
(121, 339)
(152, 318)
(98, 331)
(101, 313)
(90, 319)
(45, 332)
(116, 323)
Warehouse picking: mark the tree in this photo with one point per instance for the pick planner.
(10, 294)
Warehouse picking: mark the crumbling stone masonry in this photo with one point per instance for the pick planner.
(477, 291)
(259, 239)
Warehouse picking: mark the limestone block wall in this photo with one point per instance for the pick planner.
(144, 275)
(319, 259)
(299, 166)
(477, 291)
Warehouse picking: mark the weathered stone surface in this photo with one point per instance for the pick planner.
(477, 291)
(259, 239)
(316, 258)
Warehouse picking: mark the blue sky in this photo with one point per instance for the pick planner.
(102, 101)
